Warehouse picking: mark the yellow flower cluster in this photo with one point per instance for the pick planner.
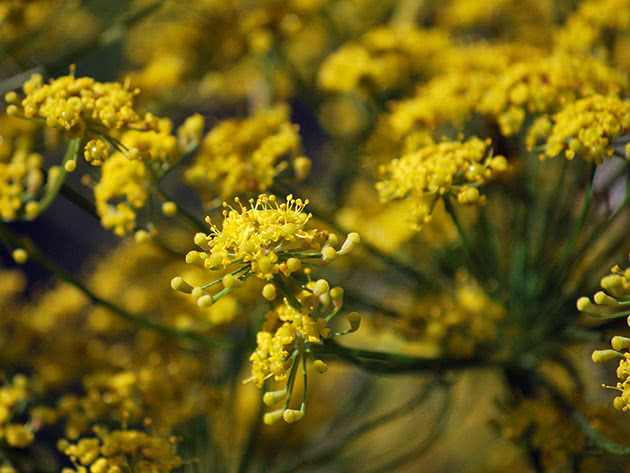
(435, 170)
(455, 320)
(126, 180)
(124, 373)
(120, 451)
(447, 101)
(22, 179)
(283, 325)
(586, 128)
(267, 239)
(383, 58)
(18, 17)
(76, 105)
(167, 390)
(594, 23)
(545, 85)
(288, 329)
(239, 156)
(12, 394)
(612, 302)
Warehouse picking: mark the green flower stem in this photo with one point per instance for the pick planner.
(393, 363)
(246, 457)
(360, 300)
(71, 154)
(11, 242)
(287, 292)
(577, 228)
(305, 384)
(475, 260)
(291, 379)
(79, 200)
(233, 273)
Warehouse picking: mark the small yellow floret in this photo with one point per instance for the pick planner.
(291, 415)
(269, 292)
(228, 281)
(321, 287)
(70, 166)
(273, 397)
(169, 208)
(355, 321)
(180, 285)
(20, 255)
(320, 366)
(272, 417)
(600, 356)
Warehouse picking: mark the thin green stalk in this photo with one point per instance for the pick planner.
(11, 241)
(394, 363)
(490, 243)
(233, 273)
(362, 301)
(251, 439)
(287, 292)
(577, 228)
(549, 213)
(291, 378)
(473, 256)
(71, 154)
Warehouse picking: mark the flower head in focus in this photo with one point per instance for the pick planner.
(449, 168)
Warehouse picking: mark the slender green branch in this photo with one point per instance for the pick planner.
(287, 292)
(394, 363)
(11, 241)
(476, 261)
(79, 200)
(577, 228)
(251, 439)
(53, 189)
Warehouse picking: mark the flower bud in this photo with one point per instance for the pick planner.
(600, 356)
(273, 397)
(620, 343)
(20, 256)
(269, 292)
(272, 417)
(321, 287)
(352, 240)
(291, 415)
(205, 301)
(180, 285)
(355, 321)
(320, 366)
